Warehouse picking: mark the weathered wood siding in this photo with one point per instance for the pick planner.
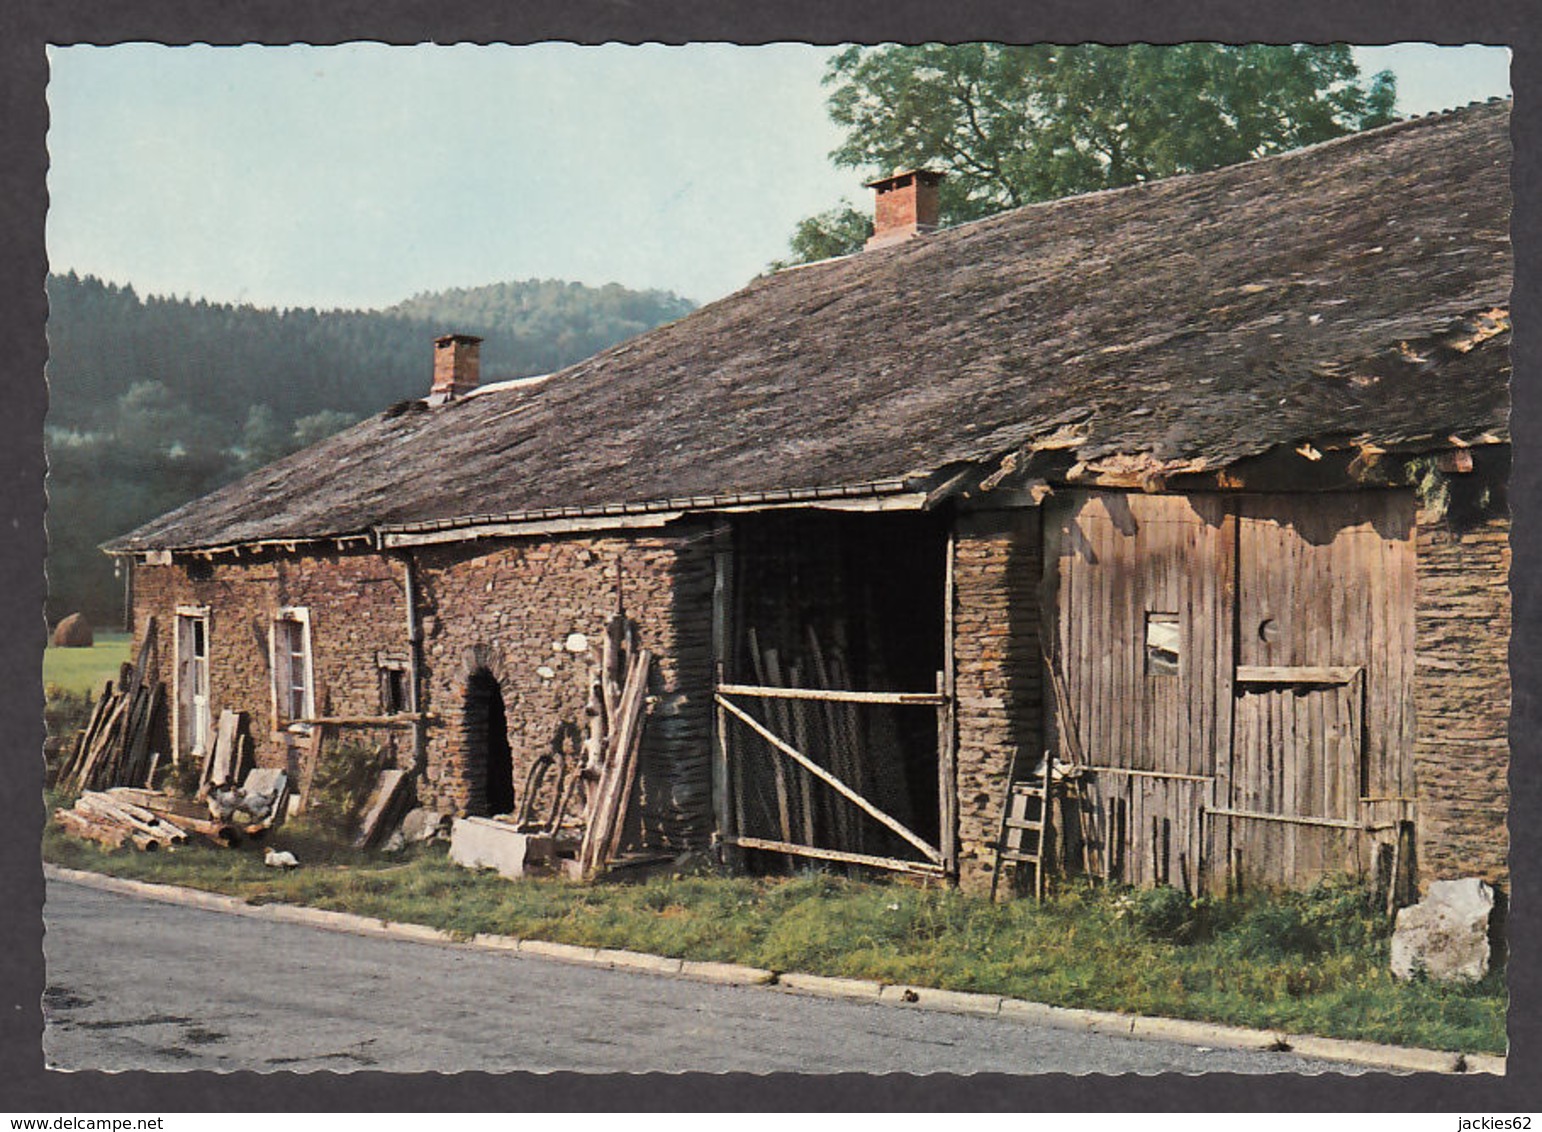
(1322, 581)
(1252, 582)
(1115, 558)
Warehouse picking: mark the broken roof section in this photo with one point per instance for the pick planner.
(1355, 290)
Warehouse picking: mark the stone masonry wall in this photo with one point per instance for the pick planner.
(356, 607)
(1461, 753)
(510, 609)
(997, 565)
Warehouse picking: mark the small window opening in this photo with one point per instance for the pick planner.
(393, 690)
(1162, 644)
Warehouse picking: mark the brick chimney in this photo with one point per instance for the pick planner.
(457, 367)
(906, 206)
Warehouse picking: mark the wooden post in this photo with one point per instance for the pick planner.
(721, 772)
(947, 781)
(723, 818)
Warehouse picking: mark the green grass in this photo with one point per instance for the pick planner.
(86, 670)
(1313, 963)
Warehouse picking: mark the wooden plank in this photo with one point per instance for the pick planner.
(947, 779)
(722, 814)
(1287, 819)
(312, 758)
(891, 863)
(834, 783)
(778, 773)
(1163, 774)
(1297, 673)
(400, 719)
(841, 756)
(834, 695)
(389, 786)
(603, 840)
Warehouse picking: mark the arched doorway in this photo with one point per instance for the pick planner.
(488, 756)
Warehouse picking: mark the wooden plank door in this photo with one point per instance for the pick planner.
(1323, 714)
(1143, 636)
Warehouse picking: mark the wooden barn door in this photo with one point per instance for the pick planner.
(1322, 712)
(1143, 640)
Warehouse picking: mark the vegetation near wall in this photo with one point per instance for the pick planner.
(155, 401)
(1312, 962)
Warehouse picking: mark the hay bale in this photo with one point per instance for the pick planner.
(74, 632)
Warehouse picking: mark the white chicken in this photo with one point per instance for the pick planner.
(280, 859)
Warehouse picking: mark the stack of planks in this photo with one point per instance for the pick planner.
(229, 758)
(618, 700)
(830, 733)
(113, 749)
(112, 819)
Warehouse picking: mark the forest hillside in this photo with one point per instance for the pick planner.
(153, 401)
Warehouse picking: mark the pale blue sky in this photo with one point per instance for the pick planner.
(359, 175)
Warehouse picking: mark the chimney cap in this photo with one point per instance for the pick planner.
(897, 178)
(462, 339)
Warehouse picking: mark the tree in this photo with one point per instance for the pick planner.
(836, 231)
(1013, 125)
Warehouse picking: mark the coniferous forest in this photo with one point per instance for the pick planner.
(153, 401)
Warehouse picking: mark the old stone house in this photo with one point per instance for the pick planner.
(1199, 483)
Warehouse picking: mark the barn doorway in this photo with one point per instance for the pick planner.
(832, 705)
(486, 730)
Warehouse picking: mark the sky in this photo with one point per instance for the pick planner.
(362, 174)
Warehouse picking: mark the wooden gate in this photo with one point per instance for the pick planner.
(810, 776)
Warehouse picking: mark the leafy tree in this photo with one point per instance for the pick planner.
(836, 231)
(1013, 125)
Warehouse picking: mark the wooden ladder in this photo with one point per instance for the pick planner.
(1027, 827)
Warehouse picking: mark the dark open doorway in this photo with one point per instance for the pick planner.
(487, 744)
(850, 610)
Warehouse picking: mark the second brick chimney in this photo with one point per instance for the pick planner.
(906, 206)
(457, 367)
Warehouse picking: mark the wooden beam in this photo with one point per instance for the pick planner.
(891, 863)
(774, 692)
(538, 527)
(831, 781)
(1296, 674)
(1152, 774)
(1288, 819)
(400, 719)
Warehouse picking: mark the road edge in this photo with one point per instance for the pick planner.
(1373, 1055)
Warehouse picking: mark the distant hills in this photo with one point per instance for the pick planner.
(154, 401)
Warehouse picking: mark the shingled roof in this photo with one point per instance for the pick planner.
(1357, 289)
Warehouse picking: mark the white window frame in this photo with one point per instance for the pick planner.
(183, 746)
(282, 684)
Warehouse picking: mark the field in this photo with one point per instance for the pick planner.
(86, 670)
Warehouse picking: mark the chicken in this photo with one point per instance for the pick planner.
(224, 801)
(280, 859)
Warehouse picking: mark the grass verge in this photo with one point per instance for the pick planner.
(1307, 963)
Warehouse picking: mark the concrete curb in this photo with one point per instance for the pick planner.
(730, 974)
(1372, 1055)
(829, 987)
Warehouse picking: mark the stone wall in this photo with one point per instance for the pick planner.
(997, 567)
(1462, 634)
(512, 608)
(508, 608)
(356, 606)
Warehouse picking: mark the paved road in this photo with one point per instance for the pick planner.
(138, 984)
